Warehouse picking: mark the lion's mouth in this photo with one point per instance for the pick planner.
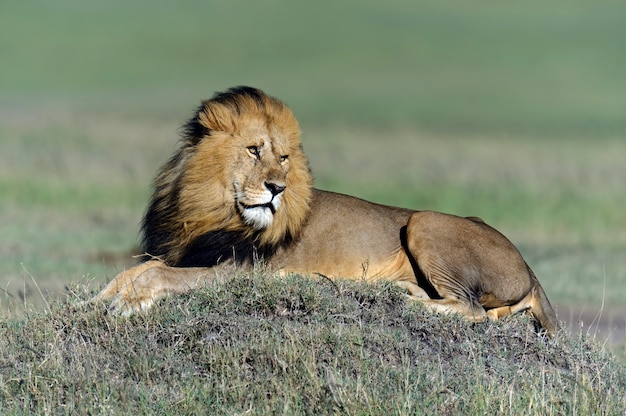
(269, 205)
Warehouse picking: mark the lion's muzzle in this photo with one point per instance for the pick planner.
(259, 212)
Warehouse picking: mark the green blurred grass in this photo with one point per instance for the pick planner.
(555, 67)
(511, 112)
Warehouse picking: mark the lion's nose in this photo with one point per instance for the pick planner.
(274, 187)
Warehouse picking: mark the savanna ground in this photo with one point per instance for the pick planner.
(512, 113)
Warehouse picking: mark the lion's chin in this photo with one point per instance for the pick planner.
(259, 217)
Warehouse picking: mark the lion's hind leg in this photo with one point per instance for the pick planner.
(470, 310)
(442, 259)
(456, 295)
(464, 306)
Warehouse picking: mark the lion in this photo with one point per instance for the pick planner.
(239, 192)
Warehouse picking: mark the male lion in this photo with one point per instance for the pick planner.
(239, 190)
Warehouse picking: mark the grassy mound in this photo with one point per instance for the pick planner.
(260, 345)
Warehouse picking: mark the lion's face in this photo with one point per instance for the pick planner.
(259, 178)
(246, 171)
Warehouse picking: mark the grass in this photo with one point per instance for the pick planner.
(530, 67)
(256, 344)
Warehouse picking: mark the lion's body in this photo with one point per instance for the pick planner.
(332, 243)
(239, 190)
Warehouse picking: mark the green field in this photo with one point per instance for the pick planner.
(510, 112)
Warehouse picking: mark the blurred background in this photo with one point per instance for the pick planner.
(513, 112)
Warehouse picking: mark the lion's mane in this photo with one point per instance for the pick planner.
(192, 219)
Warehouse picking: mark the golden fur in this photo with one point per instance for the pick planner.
(239, 190)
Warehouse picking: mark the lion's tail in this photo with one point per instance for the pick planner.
(541, 308)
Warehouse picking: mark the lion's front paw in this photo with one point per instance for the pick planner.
(134, 289)
(132, 298)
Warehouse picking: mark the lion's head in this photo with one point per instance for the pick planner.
(239, 181)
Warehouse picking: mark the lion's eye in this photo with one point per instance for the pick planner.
(283, 158)
(254, 151)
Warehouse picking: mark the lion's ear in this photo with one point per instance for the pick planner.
(216, 117)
